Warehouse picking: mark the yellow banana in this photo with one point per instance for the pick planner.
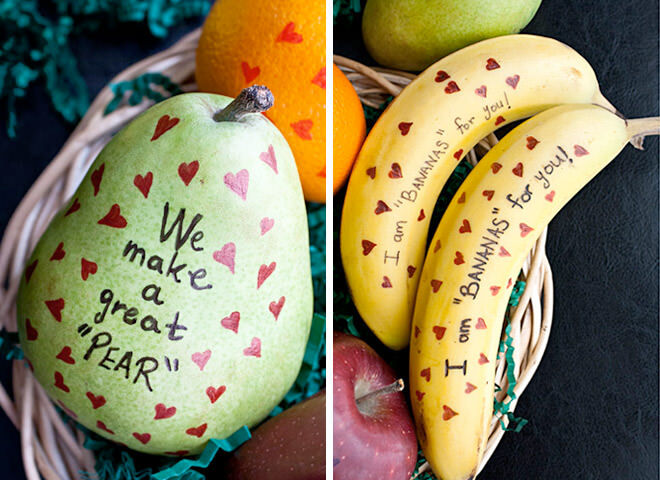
(485, 234)
(416, 144)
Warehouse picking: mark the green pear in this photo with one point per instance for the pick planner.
(413, 34)
(170, 301)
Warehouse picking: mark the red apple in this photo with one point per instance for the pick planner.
(374, 437)
(290, 446)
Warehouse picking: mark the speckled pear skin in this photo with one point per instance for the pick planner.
(159, 356)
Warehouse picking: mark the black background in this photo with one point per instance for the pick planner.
(593, 403)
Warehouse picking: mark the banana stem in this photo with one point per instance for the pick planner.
(397, 386)
(254, 99)
(639, 128)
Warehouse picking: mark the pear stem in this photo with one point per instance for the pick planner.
(639, 128)
(397, 386)
(254, 99)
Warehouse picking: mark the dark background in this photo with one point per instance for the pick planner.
(593, 403)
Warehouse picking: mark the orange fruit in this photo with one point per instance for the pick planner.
(280, 44)
(348, 127)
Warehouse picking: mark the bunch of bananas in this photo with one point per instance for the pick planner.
(449, 302)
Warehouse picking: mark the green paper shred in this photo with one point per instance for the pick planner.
(346, 11)
(148, 85)
(9, 346)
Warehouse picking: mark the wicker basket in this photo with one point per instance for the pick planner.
(531, 319)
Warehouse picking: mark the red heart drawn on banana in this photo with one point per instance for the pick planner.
(494, 290)
(488, 194)
(404, 127)
(249, 73)
(458, 154)
(59, 253)
(264, 273)
(371, 171)
(164, 124)
(504, 252)
(197, 431)
(201, 359)
(97, 400)
(289, 34)
(531, 142)
(163, 412)
(481, 91)
(458, 259)
(580, 151)
(395, 171)
(215, 393)
(386, 282)
(231, 322)
(381, 207)
(411, 271)
(419, 395)
(439, 332)
(465, 227)
(525, 229)
(254, 350)
(461, 199)
(114, 218)
(367, 247)
(469, 387)
(452, 87)
(421, 215)
(96, 177)
(491, 64)
(226, 256)
(483, 359)
(426, 374)
(238, 183)
(268, 158)
(276, 307)
(65, 355)
(144, 183)
(448, 413)
(55, 307)
(87, 268)
(518, 170)
(441, 76)
(550, 196)
(417, 331)
(481, 324)
(499, 119)
(438, 246)
(435, 285)
(513, 81)
(495, 167)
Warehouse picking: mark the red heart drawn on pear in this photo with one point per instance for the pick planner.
(439, 332)
(97, 401)
(469, 387)
(96, 177)
(59, 253)
(59, 383)
(580, 151)
(458, 259)
(495, 167)
(87, 268)
(114, 218)
(381, 207)
(265, 271)
(419, 395)
(164, 124)
(448, 413)
(268, 157)
(452, 87)
(525, 229)
(249, 73)
(231, 322)
(371, 172)
(31, 332)
(367, 247)
(483, 359)
(488, 194)
(531, 142)
(215, 393)
(163, 412)
(421, 215)
(289, 34)
(238, 183)
(276, 307)
(187, 171)
(481, 91)
(504, 252)
(303, 128)
(197, 431)
(55, 307)
(395, 171)
(411, 271)
(441, 76)
(426, 374)
(254, 350)
(481, 324)
(226, 255)
(512, 81)
(465, 227)
(319, 78)
(100, 425)
(386, 282)
(144, 183)
(518, 170)
(65, 355)
(499, 119)
(404, 127)
(266, 224)
(29, 270)
(75, 206)
(201, 359)
(435, 285)
(550, 196)
(143, 438)
(491, 64)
